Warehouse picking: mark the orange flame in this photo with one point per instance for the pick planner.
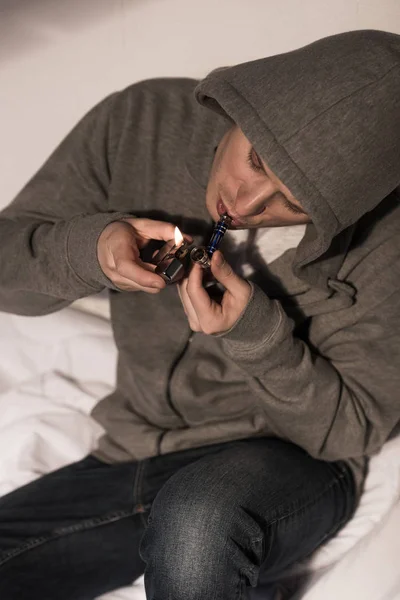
(178, 237)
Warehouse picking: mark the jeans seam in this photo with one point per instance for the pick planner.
(239, 586)
(137, 491)
(336, 481)
(294, 511)
(63, 531)
(137, 484)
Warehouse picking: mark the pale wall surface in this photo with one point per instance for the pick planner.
(59, 57)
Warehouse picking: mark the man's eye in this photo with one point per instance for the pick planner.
(254, 161)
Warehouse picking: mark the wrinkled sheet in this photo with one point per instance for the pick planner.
(53, 369)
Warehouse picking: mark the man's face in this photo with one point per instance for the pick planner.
(242, 185)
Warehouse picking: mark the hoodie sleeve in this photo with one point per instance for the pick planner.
(49, 232)
(338, 401)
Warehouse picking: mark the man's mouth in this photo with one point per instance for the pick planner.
(222, 210)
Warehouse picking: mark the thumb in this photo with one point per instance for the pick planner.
(149, 229)
(224, 273)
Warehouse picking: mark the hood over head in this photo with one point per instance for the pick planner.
(326, 119)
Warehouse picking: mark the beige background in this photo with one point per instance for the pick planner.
(59, 57)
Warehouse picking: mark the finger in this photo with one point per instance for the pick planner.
(126, 262)
(149, 229)
(224, 273)
(128, 286)
(198, 296)
(139, 273)
(188, 306)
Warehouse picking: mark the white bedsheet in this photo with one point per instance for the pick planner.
(53, 369)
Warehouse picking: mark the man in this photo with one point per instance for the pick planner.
(238, 434)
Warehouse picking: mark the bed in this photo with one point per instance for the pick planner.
(53, 369)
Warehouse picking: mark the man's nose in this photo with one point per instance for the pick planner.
(251, 200)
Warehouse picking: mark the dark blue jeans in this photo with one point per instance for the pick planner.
(202, 524)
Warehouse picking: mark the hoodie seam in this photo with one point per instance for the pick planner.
(68, 257)
(373, 309)
(360, 89)
(237, 344)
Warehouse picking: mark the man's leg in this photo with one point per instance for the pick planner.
(250, 507)
(73, 534)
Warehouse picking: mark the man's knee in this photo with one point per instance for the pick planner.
(189, 521)
(197, 533)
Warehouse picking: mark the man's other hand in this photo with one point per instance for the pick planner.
(118, 252)
(203, 313)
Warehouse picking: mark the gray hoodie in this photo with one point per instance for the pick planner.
(315, 357)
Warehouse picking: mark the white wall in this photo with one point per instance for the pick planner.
(59, 57)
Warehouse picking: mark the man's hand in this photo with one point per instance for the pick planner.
(118, 251)
(203, 313)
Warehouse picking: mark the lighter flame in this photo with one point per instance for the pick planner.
(178, 237)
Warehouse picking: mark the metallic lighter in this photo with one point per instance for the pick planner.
(171, 261)
(202, 255)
